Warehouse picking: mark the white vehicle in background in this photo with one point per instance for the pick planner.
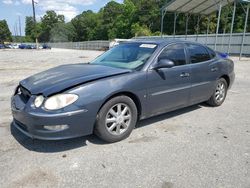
(15, 46)
(116, 42)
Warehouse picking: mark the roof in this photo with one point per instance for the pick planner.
(153, 40)
(158, 41)
(204, 7)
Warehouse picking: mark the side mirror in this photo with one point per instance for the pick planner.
(164, 63)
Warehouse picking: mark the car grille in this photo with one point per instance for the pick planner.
(24, 94)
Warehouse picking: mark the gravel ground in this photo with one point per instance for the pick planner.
(198, 146)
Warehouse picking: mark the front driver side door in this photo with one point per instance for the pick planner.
(169, 88)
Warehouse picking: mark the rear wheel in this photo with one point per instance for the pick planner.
(116, 119)
(219, 94)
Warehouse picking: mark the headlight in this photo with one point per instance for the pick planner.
(38, 101)
(60, 101)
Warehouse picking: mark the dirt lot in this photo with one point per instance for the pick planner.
(197, 146)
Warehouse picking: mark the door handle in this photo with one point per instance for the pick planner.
(214, 69)
(184, 75)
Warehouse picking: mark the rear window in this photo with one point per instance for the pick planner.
(198, 53)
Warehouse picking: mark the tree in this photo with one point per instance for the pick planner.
(5, 34)
(85, 25)
(138, 30)
(30, 29)
(124, 21)
(48, 21)
(110, 13)
(148, 13)
(29, 25)
(62, 32)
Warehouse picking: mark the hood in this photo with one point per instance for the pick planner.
(66, 76)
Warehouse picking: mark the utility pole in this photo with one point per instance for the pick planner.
(34, 11)
(34, 20)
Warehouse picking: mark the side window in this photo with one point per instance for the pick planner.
(198, 53)
(175, 53)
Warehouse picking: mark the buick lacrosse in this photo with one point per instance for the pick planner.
(135, 80)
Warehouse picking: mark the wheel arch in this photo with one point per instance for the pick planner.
(131, 95)
(226, 77)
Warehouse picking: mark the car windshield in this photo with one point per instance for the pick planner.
(126, 55)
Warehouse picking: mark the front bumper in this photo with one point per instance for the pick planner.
(31, 122)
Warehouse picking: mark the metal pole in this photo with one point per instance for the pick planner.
(197, 28)
(162, 20)
(34, 19)
(208, 23)
(175, 17)
(186, 31)
(218, 26)
(223, 47)
(231, 30)
(244, 33)
(222, 40)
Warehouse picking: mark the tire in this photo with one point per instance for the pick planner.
(219, 94)
(112, 124)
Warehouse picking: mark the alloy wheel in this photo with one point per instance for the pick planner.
(220, 92)
(118, 119)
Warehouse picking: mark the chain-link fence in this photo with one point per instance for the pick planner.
(223, 43)
(87, 45)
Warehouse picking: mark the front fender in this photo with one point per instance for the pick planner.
(94, 94)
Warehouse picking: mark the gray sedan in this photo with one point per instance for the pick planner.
(108, 96)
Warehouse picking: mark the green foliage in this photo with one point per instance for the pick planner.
(85, 26)
(148, 13)
(122, 24)
(48, 21)
(62, 32)
(31, 29)
(5, 34)
(29, 23)
(125, 20)
(138, 30)
(19, 39)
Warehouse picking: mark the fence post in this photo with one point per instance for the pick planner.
(232, 27)
(218, 26)
(207, 28)
(244, 33)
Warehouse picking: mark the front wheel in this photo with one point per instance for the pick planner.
(116, 119)
(219, 94)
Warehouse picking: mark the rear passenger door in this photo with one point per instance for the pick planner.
(204, 72)
(168, 88)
